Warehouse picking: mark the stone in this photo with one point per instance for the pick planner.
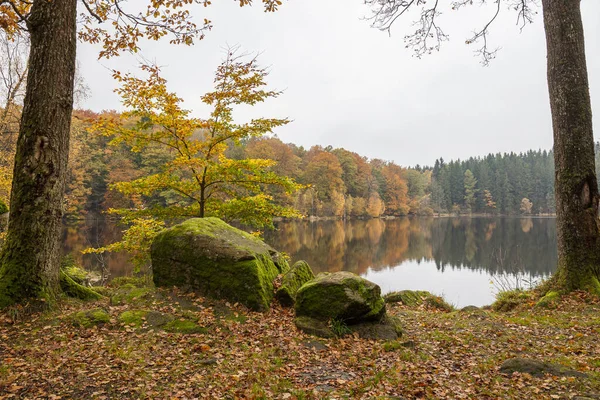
(91, 318)
(340, 296)
(217, 260)
(314, 345)
(314, 326)
(388, 328)
(537, 368)
(298, 275)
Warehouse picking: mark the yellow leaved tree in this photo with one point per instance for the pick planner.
(199, 179)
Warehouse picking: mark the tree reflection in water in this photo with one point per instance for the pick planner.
(375, 245)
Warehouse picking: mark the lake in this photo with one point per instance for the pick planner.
(467, 260)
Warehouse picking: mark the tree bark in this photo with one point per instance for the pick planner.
(29, 263)
(576, 188)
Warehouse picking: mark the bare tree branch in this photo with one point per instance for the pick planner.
(386, 12)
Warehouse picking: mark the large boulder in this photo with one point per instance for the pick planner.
(298, 275)
(217, 260)
(341, 303)
(341, 296)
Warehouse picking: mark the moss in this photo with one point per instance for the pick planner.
(184, 326)
(511, 299)
(340, 295)
(3, 207)
(299, 274)
(131, 281)
(88, 319)
(128, 294)
(218, 261)
(549, 300)
(103, 290)
(407, 297)
(74, 271)
(133, 317)
(74, 289)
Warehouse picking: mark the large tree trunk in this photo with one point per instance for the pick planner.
(576, 188)
(29, 263)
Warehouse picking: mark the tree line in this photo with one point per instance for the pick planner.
(335, 182)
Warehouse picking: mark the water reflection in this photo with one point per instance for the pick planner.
(461, 258)
(457, 243)
(457, 257)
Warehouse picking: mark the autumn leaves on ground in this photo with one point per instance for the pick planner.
(149, 343)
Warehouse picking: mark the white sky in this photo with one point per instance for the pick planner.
(349, 85)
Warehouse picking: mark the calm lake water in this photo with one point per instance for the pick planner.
(467, 260)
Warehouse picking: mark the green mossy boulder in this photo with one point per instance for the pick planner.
(91, 318)
(341, 296)
(217, 260)
(298, 275)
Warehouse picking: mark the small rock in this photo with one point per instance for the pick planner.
(470, 308)
(207, 361)
(537, 368)
(314, 326)
(314, 345)
(387, 329)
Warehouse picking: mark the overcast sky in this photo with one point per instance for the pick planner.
(349, 85)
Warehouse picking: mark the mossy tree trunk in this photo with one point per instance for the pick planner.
(29, 263)
(576, 188)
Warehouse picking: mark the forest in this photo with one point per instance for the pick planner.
(335, 182)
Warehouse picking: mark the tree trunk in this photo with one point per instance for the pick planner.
(29, 263)
(576, 188)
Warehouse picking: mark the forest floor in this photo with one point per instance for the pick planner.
(131, 347)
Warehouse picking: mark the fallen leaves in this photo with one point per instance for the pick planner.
(249, 355)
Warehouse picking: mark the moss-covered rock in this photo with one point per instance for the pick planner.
(149, 319)
(537, 368)
(314, 326)
(389, 328)
(137, 281)
(128, 294)
(91, 318)
(146, 318)
(341, 296)
(511, 299)
(298, 275)
(549, 300)
(407, 297)
(217, 260)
